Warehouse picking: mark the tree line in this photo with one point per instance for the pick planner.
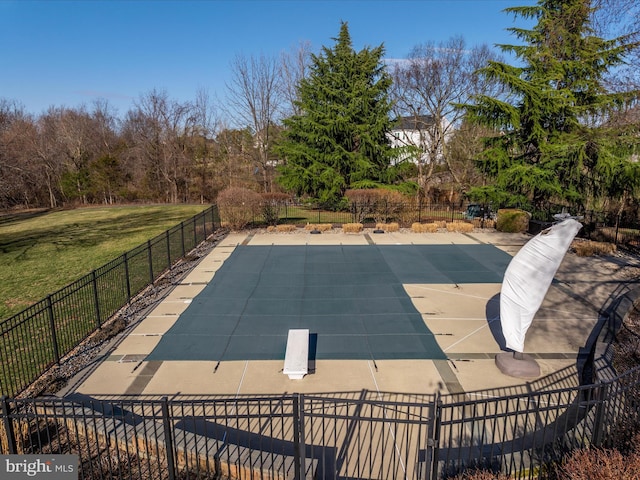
(559, 123)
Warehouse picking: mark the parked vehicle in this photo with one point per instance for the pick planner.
(478, 210)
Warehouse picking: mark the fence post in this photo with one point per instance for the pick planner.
(182, 238)
(96, 298)
(298, 436)
(52, 325)
(150, 257)
(434, 440)
(126, 274)
(168, 249)
(8, 427)
(600, 394)
(420, 209)
(168, 438)
(195, 234)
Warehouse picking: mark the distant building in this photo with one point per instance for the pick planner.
(418, 131)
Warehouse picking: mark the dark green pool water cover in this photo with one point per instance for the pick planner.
(351, 298)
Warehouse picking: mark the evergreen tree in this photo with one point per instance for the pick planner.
(551, 144)
(339, 141)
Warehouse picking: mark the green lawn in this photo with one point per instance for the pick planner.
(405, 215)
(42, 252)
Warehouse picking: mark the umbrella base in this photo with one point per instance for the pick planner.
(519, 365)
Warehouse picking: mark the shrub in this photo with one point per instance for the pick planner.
(599, 464)
(461, 227)
(512, 220)
(440, 223)
(584, 464)
(589, 248)
(425, 227)
(388, 205)
(484, 223)
(381, 203)
(479, 475)
(238, 206)
(271, 206)
(352, 227)
(285, 227)
(409, 214)
(21, 432)
(369, 195)
(362, 203)
(388, 227)
(321, 227)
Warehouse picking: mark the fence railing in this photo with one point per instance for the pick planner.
(617, 229)
(404, 213)
(39, 336)
(620, 228)
(362, 435)
(371, 213)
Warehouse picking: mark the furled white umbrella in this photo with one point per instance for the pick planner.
(527, 280)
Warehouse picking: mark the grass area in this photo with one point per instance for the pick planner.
(407, 215)
(303, 215)
(41, 252)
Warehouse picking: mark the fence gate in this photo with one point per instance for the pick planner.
(366, 438)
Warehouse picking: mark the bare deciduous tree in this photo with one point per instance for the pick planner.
(48, 154)
(20, 177)
(156, 130)
(466, 144)
(429, 85)
(235, 155)
(204, 127)
(295, 67)
(615, 18)
(255, 101)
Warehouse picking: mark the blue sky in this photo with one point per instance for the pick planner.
(70, 53)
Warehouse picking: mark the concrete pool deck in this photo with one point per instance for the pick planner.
(457, 315)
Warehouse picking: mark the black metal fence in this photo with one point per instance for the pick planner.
(36, 338)
(620, 229)
(368, 435)
(367, 213)
(404, 213)
(364, 435)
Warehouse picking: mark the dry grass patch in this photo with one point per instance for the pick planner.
(425, 227)
(483, 223)
(321, 227)
(21, 431)
(352, 227)
(388, 227)
(460, 227)
(285, 227)
(589, 248)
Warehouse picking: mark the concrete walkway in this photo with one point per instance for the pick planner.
(462, 317)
